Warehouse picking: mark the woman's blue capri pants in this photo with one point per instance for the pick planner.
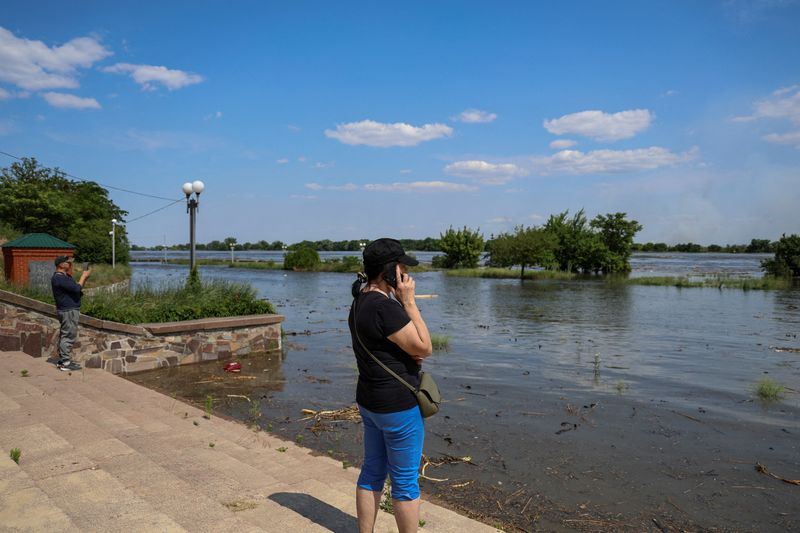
(393, 444)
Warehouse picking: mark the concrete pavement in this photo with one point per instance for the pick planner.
(100, 453)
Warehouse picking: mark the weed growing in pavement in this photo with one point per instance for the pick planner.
(209, 407)
(15, 454)
(282, 449)
(23, 373)
(386, 502)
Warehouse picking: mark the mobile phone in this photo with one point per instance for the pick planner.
(390, 274)
(87, 266)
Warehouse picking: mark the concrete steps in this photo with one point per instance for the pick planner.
(102, 453)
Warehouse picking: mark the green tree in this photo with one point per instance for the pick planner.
(305, 258)
(462, 248)
(526, 247)
(759, 246)
(572, 236)
(39, 199)
(787, 257)
(617, 233)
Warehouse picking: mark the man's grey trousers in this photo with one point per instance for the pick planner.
(68, 333)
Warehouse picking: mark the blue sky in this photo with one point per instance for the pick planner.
(312, 120)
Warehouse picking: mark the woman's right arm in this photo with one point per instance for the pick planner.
(413, 338)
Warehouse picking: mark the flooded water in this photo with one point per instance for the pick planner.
(526, 358)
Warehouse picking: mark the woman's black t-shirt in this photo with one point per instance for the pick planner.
(377, 390)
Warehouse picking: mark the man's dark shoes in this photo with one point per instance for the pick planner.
(68, 366)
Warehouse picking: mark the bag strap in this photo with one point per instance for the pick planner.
(389, 370)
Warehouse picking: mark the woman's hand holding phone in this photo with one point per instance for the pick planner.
(405, 288)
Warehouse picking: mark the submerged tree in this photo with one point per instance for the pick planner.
(462, 248)
(526, 247)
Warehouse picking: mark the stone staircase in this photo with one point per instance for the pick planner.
(100, 453)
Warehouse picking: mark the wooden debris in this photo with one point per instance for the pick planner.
(763, 470)
(347, 413)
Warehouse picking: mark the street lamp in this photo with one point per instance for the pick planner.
(232, 260)
(192, 203)
(113, 234)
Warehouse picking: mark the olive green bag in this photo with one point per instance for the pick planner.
(427, 394)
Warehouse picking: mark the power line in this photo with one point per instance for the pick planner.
(103, 184)
(172, 202)
(153, 212)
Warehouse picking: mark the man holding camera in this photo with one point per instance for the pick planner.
(67, 294)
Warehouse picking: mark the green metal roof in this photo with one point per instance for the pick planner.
(38, 240)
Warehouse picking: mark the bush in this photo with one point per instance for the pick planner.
(301, 259)
(462, 248)
(787, 257)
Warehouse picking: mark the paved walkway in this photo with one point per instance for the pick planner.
(100, 453)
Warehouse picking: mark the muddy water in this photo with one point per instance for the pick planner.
(583, 405)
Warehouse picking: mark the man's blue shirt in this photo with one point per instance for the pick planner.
(66, 292)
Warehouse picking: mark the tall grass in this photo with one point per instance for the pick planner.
(507, 273)
(716, 282)
(169, 303)
(441, 343)
(768, 390)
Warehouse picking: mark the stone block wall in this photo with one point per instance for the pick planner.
(31, 326)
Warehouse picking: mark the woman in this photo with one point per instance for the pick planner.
(385, 321)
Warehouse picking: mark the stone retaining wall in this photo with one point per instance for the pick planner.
(31, 326)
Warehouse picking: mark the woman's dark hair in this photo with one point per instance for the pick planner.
(370, 273)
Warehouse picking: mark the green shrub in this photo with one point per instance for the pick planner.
(768, 390)
(301, 259)
(787, 257)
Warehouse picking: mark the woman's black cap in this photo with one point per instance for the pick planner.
(382, 251)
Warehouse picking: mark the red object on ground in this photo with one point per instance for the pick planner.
(233, 367)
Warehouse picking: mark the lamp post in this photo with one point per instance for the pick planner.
(192, 203)
(113, 234)
(232, 261)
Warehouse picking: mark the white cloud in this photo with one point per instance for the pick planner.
(484, 172)
(293, 128)
(371, 133)
(395, 187)
(560, 144)
(282, 161)
(33, 65)
(783, 104)
(321, 165)
(602, 126)
(445, 186)
(671, 92)
(535, 216)
(216, 115)
(791, 138)
(303, 196)
(147, 75)
(500, 220)
(70, 101)
(4, 95)
(406, 171)
(474, 116)
(609, 161)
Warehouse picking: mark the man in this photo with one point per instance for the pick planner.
(67, 294)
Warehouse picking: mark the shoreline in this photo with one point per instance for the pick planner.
(564, 461)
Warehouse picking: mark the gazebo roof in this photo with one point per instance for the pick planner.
(39, 240)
